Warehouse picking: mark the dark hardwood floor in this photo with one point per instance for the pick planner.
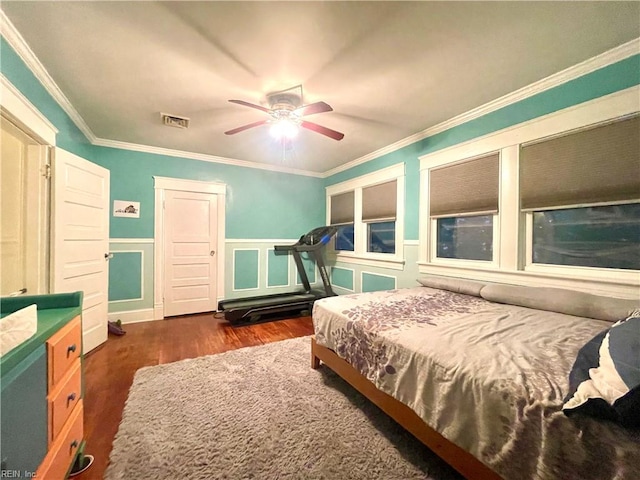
(109, 370)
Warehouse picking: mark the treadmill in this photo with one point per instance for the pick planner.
(252, 309)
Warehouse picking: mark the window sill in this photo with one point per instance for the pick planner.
(382, 260)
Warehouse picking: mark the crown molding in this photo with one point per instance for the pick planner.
(101, 142)
(20, 109)
(20, 46)
(609, 57)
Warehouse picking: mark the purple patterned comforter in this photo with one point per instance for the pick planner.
(489, 377)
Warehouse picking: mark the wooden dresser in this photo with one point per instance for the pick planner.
(42, 424)
(64, 401)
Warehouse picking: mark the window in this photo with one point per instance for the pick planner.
(463, 206)
(381, 237)
(560, 208)
(379, 204)
(345, 238)
(605, 236)
(468, 238)
(342, 214)
(368, 213)
(581, 191)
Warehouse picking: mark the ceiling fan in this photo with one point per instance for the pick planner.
(287, 112)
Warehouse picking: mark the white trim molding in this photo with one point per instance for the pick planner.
(132, 240)
(133, 316)
(20, 46)
(19, 109)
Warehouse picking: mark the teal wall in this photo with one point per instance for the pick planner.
(124, 267)
(610, 79)
(264, 205)
(260, 204)
(130, 276)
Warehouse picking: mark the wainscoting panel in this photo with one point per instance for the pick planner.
(131, 277)
(246, 268)
(278, 267)
(372, 282)
(343, 278)
(348, 277)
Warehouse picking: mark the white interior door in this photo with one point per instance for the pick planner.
(24, 239)
(81, 239)
(190, 245)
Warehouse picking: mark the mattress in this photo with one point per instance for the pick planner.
(489, 377)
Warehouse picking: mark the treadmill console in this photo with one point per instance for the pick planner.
(318, 235)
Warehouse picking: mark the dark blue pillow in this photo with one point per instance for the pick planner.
(605, 379)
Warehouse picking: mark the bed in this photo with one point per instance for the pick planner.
(479, 376)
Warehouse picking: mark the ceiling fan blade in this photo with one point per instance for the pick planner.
(245, 127)
(322, 130)
(252, 105)
(318, 107)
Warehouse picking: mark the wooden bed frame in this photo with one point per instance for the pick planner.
(459, 459)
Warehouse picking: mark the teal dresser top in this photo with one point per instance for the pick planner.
(54, 311)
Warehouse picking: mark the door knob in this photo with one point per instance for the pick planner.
(212, 253)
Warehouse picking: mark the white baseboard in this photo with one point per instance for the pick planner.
(132, 316)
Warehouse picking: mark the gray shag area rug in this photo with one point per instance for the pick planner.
(260, 413)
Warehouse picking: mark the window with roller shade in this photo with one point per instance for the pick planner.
(342, 215)
(379, 215)
(369, 211)
(582, 193)
(463, 205)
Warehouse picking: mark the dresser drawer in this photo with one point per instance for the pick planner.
(64, 448)
(63, 348)
(63, 398)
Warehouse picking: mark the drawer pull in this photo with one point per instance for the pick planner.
(74, 444)
(71, 398)
(71, 348)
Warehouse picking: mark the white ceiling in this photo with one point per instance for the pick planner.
(388, 69)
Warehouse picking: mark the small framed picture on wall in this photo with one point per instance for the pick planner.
(125, 208)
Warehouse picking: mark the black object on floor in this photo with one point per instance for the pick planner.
(116, 328)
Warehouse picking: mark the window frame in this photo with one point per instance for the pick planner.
(493, 263)
(432, 255)
(360, 255)
(513, 246)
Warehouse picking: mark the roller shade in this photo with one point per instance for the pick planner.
(465, 188)
(379, 202)
(601, 164)
(342, 207)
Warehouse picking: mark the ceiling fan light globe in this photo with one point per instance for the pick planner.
(283, 128)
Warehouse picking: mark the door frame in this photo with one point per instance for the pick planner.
(16, 108)
(161, 184)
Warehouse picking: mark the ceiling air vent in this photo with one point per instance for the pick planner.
(174, 121)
